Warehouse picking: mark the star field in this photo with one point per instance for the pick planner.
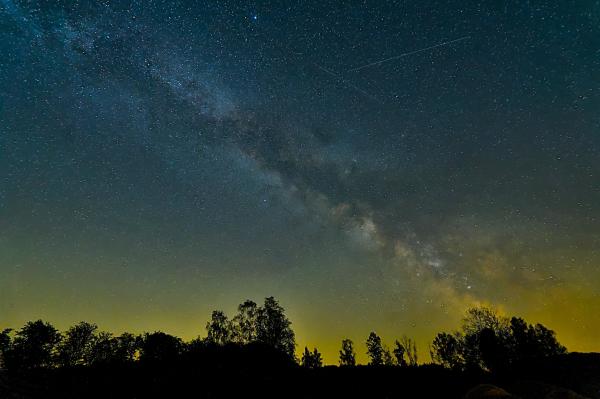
(374, 165)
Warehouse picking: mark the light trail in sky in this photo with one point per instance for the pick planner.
(407, 54)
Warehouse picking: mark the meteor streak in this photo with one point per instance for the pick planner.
(407, 54)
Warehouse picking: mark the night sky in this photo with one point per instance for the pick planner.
(161, 159)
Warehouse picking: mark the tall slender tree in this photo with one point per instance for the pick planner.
(399, 352)
(347, 354)
(374, 349)
(410, 347)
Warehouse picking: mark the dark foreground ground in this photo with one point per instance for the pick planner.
(569, 376)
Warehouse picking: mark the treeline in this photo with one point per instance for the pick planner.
(490, 342)
(261, 331)
(486, 341)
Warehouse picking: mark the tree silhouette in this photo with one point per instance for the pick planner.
(410, 348)
(76, 345)
(103, 349)
(347, 354)
(306, 360)
(531, 342)
(159, 364)
(311, 360)
(446, 350)
(522, 339)
(491, 342)
(5, 345)
(547, 344)
(274, 328)
(127, 348)
(493, 350)
(479, 318)
(399, 352)
(470, 352)
(245, 322)
(108, 349)
(219, 328)
(388, 359)
(159, 347)
(374, 349)
(34, 346)
(483, 322)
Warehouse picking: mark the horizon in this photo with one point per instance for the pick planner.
(330, 353)
(379, 166)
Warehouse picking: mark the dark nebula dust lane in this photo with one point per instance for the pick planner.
(373, 166)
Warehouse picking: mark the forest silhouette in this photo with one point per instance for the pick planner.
(253, 354)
